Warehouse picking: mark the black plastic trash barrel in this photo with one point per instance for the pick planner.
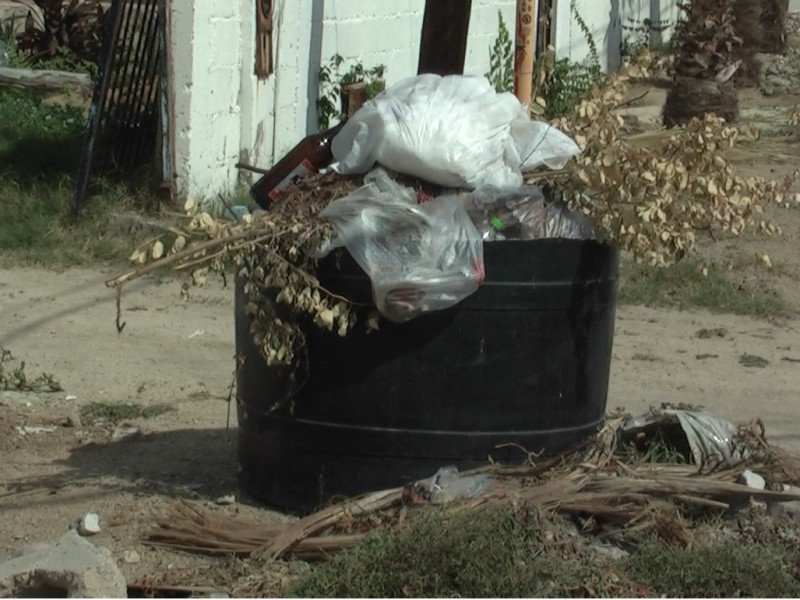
(525, 361)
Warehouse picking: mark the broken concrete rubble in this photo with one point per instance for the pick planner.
(89, 524)
(72, 568)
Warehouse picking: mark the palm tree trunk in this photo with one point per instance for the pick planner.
(689, 98)
(762, 26)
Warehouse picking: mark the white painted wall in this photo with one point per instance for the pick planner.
(606, 20)
(222, 113)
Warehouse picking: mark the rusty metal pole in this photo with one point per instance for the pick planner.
(443, 42)
(525, 42)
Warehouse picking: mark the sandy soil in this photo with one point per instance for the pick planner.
(181, 353)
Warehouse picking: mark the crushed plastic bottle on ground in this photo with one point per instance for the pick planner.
(446, 485)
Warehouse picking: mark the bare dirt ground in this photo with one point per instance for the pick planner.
(181, 354)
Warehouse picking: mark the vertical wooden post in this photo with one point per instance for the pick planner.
(525, 42)
(443, 42)
(263, 61)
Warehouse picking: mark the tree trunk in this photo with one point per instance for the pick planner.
(761, 24)
(689, 98)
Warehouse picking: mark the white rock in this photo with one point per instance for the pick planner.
(752, 480)
(71, 568)
(125, 434)
(89, 524)
(131, 557)
(71, 397)
(32, 429)
(226, 500)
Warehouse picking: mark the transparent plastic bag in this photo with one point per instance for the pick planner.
(455, 131)
(419, 257)
(524, 214)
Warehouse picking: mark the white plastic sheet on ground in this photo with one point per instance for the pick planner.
(455, 131)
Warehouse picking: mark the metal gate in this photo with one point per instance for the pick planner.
(125, 117)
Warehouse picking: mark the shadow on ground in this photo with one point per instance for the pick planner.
(188, 463)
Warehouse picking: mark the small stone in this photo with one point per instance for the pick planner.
(71, 397)
(126, 434)
(74, 420)
(226, 500)
(131, 557)
(89, 524)
(752, 480)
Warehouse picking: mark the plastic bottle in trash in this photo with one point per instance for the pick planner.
(307, 157)
(504, 221)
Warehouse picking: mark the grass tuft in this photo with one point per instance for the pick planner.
(717, 571)
(97, 411)
(488, 554)
(684, 286)
(40, 147)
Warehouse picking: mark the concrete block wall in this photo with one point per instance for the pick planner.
(607, 20)
(223, 113)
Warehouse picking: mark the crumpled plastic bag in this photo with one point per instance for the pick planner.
(455, 131)
(419, 257)
(712, 440)
(524, 214)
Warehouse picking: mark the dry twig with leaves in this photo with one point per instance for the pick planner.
(653, 202)
(270, 254)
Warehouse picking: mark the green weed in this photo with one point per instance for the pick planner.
(97, 411)
(719, 571)
(40, 147)
(501, 59)
(684, 286)
(442, 555)
(37, 141)
(14, 377)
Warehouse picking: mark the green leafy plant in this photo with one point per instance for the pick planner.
(501, 59)
(565, 82)
(333, 81)
(8, 44)
(14, 377)
(68, 32)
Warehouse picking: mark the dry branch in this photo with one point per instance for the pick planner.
(644, 496)
(315, 523)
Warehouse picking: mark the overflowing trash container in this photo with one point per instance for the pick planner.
(497, 308)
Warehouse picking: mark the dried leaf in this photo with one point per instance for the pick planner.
(157, 251)
(179, 244)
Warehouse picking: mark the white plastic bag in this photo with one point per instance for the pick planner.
(419, 257)
(455, 131)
